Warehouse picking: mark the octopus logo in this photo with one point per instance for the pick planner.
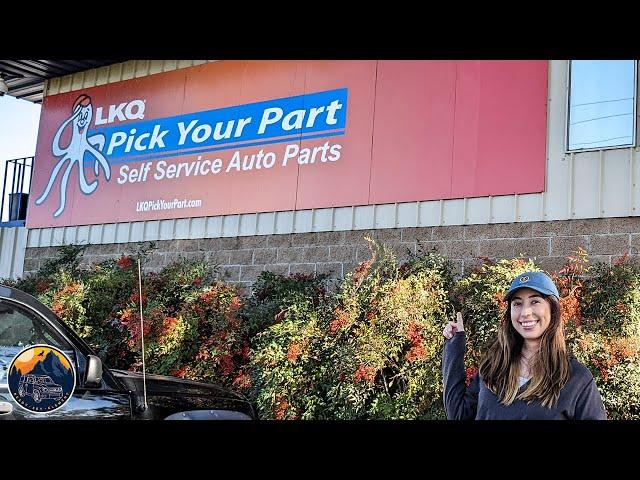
(79, 146)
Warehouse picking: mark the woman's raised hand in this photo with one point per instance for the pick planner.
(453, 327)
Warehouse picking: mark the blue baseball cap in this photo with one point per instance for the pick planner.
(538, 281)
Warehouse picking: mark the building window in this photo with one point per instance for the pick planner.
(602, 104)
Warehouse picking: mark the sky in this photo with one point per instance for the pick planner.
(18, 131)
(18, 127)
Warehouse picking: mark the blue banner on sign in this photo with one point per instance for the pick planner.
(242, 125)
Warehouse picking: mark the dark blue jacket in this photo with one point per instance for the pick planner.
(579, 398)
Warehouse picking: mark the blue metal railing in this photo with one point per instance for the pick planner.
(16, 182)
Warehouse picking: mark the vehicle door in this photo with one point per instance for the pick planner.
(21, 326)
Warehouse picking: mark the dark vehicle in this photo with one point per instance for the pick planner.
(40, 387)
(100, 393)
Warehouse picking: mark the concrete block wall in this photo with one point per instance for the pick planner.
(241, 259)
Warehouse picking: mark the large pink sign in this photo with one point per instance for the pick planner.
(254, 136)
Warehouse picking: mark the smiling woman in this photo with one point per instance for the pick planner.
(527, 372)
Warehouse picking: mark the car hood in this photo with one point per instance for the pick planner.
(167, 396)
(165, 385)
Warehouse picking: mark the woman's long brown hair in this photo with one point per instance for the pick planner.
(500, 366)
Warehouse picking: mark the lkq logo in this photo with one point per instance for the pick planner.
(83, 147)
(41, 378)
(133, 110)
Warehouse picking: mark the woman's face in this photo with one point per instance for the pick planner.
(530, 313)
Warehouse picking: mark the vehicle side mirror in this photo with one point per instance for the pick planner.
(94, 372)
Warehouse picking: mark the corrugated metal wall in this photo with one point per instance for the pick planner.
(13, 242)
(115, 73)
(585, 185)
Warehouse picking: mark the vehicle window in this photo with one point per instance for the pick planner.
(20, 328)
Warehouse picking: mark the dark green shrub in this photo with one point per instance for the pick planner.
(369, 350)
(608, 339)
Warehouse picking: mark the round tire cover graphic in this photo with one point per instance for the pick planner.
(41, 378)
